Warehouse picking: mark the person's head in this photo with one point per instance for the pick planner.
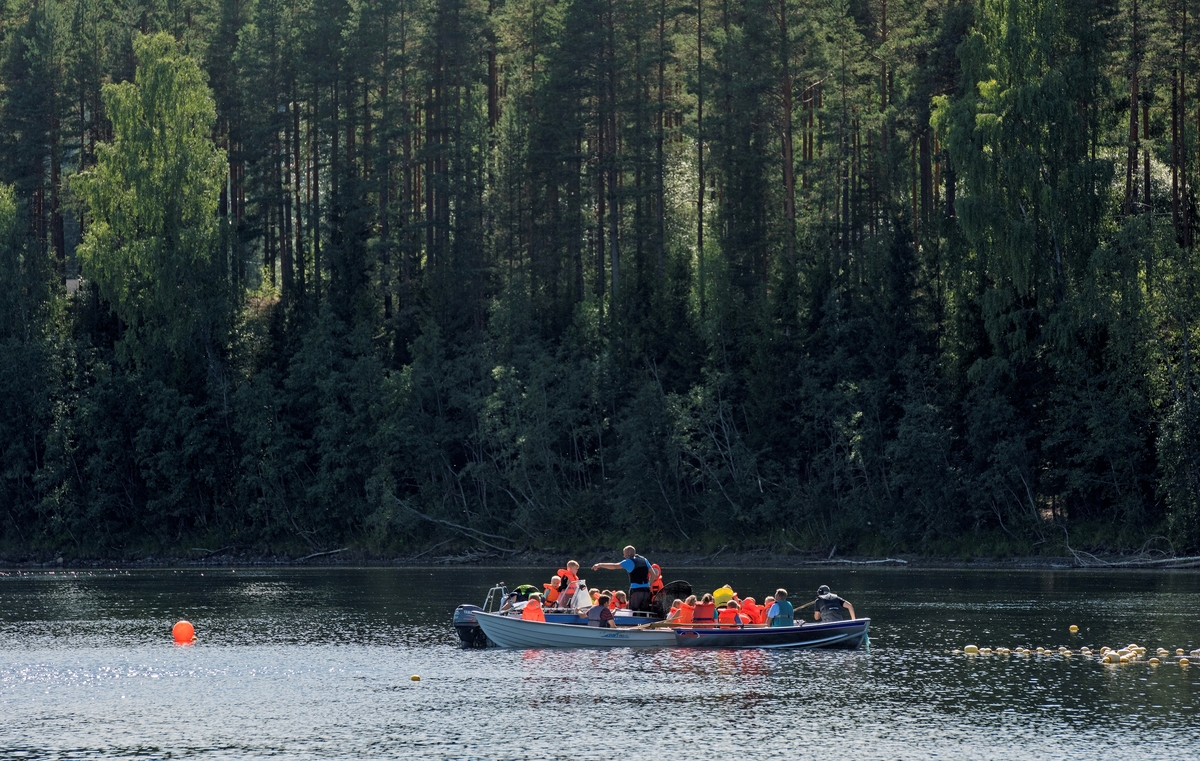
(572, 565)
(691, 600)
(603, 600)
(676, 604)
(749, 600)
(555, 582)
(780, 594)
(535, 597)
(732, 605)
(621, 596)
(822, 590)
(595, 594)
(768, 601)
(707, 598)
(629, 551)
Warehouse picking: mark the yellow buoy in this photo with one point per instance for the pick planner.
(1066, 652)
(1041, 649)
(1179, 651)
(985, 651)
(1162, 651)
(1104, 649)
(1074, 629)
(971, 650)
(1154, 661)
(415, 678)
(1124, 659)
(1184, 662)
(1194, 653)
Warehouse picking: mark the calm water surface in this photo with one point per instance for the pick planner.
(317, 663)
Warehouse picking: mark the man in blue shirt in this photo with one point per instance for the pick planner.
(641, 575)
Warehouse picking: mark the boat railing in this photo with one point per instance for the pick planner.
(496, 595)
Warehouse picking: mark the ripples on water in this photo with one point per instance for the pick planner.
(316, 664)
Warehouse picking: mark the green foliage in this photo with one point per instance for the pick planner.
(152, 202)
(420, 274)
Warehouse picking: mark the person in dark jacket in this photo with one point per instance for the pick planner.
(829, 607)
(642, 575)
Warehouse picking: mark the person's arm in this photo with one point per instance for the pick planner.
(816, 615)
(606, 567)
(654, 574)
(850, 608)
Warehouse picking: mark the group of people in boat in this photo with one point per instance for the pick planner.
(721, 608)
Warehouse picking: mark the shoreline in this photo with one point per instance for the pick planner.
(346, 558)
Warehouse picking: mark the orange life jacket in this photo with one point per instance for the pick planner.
(656, 585)
(685, 613)
(570, 582)
(749, 613)
(551, 595)
(703, 613)
(617, 605)
(533, 611)
(730, 616)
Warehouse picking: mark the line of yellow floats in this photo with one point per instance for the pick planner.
(1129, 654)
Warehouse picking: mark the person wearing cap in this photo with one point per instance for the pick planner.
(781, 613)
(829, 607)
(642, 575)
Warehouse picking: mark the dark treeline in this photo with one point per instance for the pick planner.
(878, 275)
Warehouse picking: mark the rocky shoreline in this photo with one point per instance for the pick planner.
(247, 557)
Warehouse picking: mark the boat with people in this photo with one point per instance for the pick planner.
(654, 614)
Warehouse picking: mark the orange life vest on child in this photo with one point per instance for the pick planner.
(533, 612)
(551, 595)
(730, 616)
(749, 613)
(656, 585)
(685, 613)
(570, 582)
(703, 613)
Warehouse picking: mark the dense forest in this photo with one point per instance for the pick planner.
(413, 276)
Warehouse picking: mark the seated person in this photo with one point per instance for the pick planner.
(599, 614)
(705, 611)
(533, 609)
(687, 609)
(730, 615)
(674, 613)
(829, 607)
(553, 591)
(750, 611)
(570, 579)
(781, 612)
(620, 601)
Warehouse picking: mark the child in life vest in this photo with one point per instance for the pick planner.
(533, 609)
(729, 615)
(767, 603)
(553, 590)
(620, 600)
(750, 611)
(686, 609)
(705, 611)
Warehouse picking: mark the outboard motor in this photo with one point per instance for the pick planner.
(469, 632)
(468, 628)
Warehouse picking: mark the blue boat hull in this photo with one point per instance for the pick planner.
(848, 635)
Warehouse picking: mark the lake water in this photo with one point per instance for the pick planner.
(316, 663)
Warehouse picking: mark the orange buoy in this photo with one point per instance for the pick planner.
(184, 633)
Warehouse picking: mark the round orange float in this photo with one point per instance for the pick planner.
(184, 633)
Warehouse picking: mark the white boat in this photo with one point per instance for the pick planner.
(506, 631)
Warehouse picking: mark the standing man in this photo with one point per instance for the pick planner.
(641, 575)
(829, 607)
